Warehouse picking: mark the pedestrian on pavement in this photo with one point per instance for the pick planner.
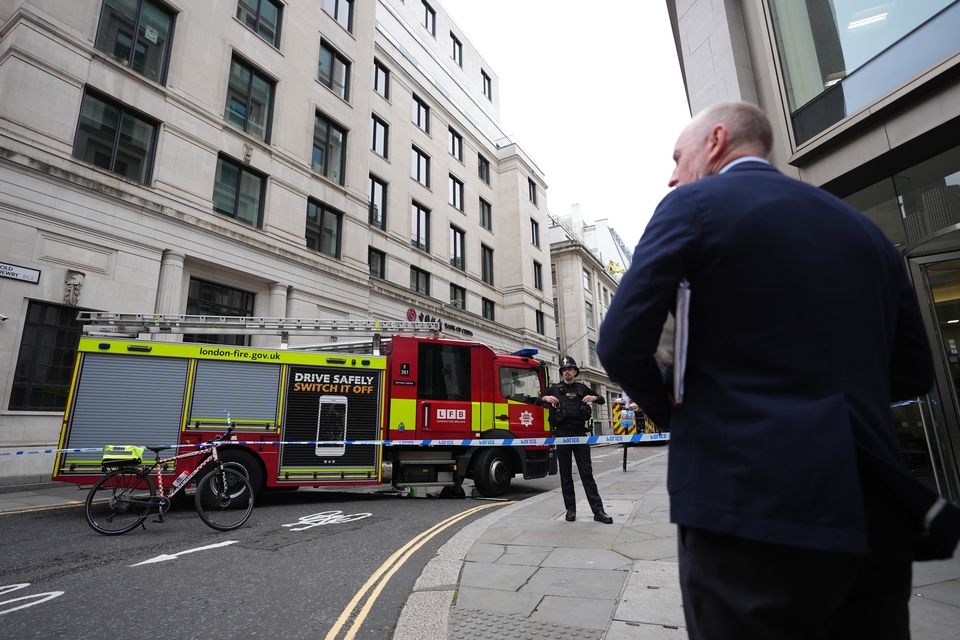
(570, 410)
(797, 517)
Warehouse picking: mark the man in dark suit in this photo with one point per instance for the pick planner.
(796, 515)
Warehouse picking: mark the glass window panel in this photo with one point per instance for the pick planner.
(96, 131)
(237, 88)
(269, 19)
(251, 190)
(225, 187)
(320, 137)
(259, 108)
(340, 73)
(151, 51)
(247, 12)
(326, 65)
(379, 137)
(335, 164)
(115, 34)
(330, 236)
(135, 148)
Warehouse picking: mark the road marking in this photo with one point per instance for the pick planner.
(389, 567)
(174, 556)
(72, 503)
(325, 517)
(43, 597)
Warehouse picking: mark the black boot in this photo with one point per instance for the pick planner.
(601, 516)
(571, 515)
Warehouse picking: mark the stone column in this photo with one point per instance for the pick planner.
(170, 289)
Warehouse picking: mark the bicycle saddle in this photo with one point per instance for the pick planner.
(158, 449)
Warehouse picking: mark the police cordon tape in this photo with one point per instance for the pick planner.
(477, 442)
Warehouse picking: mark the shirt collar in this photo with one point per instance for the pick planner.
(734, 163)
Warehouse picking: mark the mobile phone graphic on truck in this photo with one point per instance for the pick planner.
(332, 425)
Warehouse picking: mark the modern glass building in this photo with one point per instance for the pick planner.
(864, 96)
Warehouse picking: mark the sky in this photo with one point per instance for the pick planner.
(594, 97)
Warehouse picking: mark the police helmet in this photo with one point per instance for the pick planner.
(567, 362)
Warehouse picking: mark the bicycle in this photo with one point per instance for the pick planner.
(121, 500)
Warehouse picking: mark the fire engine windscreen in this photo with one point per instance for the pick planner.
(331, 425)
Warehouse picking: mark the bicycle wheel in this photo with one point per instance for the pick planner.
(119, 502)
(224, 498)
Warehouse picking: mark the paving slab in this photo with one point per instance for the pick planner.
(531, 555)
(497, 600)
(589, 613)
(620, 630)
(652, 549)
(583, 583)
(482, 552)
(504, 577)
(577, 558)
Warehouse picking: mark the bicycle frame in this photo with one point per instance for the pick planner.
(209, 449)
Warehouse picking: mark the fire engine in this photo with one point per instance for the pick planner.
(296, 410)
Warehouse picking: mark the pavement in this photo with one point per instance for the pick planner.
(523, 572)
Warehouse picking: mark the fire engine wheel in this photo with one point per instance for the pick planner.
(251, 467)
(492, 473)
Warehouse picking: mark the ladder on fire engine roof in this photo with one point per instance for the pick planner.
(131, 325)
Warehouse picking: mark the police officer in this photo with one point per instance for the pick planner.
(570, 409)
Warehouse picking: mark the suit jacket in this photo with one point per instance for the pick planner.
(803, 328)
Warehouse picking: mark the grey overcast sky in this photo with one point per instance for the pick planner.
(594, 96)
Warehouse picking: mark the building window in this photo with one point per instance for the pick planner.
(532, 191)
(588, 313)
(483, 168)
(456, 144)
(486, 215)
(822, 45)
(420, 281)
(486, 264)
(456, 248)
(381, 132)
(334, 70)
(238, 192)
(48, 348)
(457, 50)
(420, 226)
(456, 192)
(341, 11)
(115, 138)
(263, 17)
(420, 114)
(378, 203)
(541, 329)
(249, 100)
(211, 299)
(458, 297)
(329, 149)
(420, 167)
(429, 19)
(381, 79)
(556, 312)
(592, 352)
(538, 275)
(606, 296)
(488, 309)
(324, 226)
(587, 280)
(377, 261)
(487, 85)
(137, 34)
(535, 233)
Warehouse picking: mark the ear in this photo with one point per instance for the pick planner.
(717, 142)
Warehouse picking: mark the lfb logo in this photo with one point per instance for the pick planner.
(452, 414)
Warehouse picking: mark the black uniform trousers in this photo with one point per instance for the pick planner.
(565, 465)
(744, 589)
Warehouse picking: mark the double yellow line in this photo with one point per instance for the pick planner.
(376, 583)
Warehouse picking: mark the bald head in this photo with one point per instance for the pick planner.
(717, 136)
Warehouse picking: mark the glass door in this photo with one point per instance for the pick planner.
(929, 428)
